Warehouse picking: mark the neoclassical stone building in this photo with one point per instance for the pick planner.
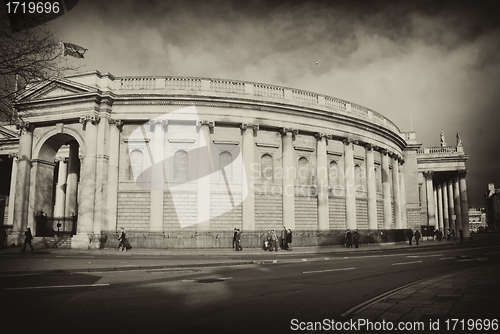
(170, 156)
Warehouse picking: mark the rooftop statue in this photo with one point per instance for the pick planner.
(443, 143)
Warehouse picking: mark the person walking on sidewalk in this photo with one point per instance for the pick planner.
(27, 240)
(122, 241)
(409, 234)
(417, 236)
(234, 237)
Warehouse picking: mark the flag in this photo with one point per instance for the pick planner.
(73, 50)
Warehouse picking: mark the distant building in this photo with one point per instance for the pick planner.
(492, 207)
(477, 219)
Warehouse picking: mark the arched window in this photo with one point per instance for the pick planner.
(225, 159)
(333, 174)
(266, 168)
(181, 166)
(136, 164)
(303, 172)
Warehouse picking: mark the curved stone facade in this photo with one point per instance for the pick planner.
(160, 154)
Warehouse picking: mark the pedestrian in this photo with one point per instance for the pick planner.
(453, 234)
(349, 238)
(27, 240)
(238, 240)
(289, 239)
(409, 234)
(283, 238)
(417, 236)
(274, 241)
(461, 233)
(440, 235)
(448, 234)
(356, 238)
(345, 238)
(122, 239)
(234, 236)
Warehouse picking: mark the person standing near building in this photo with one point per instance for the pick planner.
(409, 234)
(356, 238)
(283, 238)
(27, 240)
(238, 241)
(274, 241)
(289, 239)
(417, 236)
(349, 239)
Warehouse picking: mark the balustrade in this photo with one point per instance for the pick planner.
(173, 83)
(268, 91)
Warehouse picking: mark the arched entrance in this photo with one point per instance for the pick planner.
(56, 171)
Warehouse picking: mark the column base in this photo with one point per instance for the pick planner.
(80, 241)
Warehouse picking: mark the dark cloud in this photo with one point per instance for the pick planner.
(439, 58)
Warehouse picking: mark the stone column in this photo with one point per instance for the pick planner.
(23, 182)
(112, 187)
(102, 159)
(85, 224)
(322, 182)
(157, 174)
(439, 190)
(458, 207)
(438, 223)
(371, 187)
(397, 193)
(431, 211)
(288, 178)
(61, 188)
(464, 203)
(204, 184)
(12, 192)
(451, 206)
(386, 188)
(350, 193)
(71, 206)
(446, 220)
(248, 151)
(402, 187)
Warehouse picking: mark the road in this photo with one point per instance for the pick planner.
(256, 298)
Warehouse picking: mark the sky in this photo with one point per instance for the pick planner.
(439, 59)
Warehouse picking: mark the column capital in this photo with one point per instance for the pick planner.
(14, 155)
(63, 159)
(117, 122)
(370, 147)
(254, 127)
(25, 127)
(348, 141)
(428, 175)
(284, 131)
(154, 122)
(93, 119)
(320, 135)
(462, 173)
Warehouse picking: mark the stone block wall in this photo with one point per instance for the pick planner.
(268, 212)
(133, 210)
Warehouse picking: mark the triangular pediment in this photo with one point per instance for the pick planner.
(54, 88)
(6, 133)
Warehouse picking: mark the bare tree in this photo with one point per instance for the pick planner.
(26, 57)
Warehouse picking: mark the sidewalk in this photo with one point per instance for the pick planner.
(465, 300)
(61, 260)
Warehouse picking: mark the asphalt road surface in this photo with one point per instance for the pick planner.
(257, 298)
